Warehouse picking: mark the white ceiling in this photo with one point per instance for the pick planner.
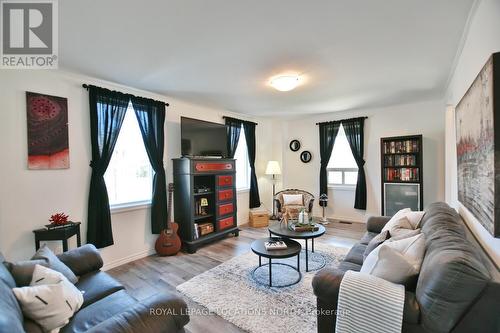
(221, 53)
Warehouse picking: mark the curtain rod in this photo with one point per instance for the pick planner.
(339, 121)
(87, 86)
(244, 121)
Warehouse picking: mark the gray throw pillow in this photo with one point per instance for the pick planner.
(54, 263)
(375, 242)
(22, 271)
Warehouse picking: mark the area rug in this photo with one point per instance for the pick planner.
(230, 291)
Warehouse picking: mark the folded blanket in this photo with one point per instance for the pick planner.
(369, 304)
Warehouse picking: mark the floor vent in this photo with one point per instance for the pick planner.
(345, 222)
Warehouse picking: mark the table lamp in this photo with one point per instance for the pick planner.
(273, 168)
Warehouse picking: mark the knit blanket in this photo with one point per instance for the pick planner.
(369, 304)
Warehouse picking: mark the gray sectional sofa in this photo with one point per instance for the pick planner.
(107, 307)
(455, 291)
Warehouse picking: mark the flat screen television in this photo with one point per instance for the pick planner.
(202, 138)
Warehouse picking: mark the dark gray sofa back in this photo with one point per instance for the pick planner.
(11, 316)
(453, 275)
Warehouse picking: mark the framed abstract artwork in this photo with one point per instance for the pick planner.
(477, 121)
(47, 118)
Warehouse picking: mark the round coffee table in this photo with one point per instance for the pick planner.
(282, 230)
(293, 249)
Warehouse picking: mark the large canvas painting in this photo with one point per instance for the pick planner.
(47, 131)
(478, 149)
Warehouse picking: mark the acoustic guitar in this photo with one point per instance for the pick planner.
(169, 243)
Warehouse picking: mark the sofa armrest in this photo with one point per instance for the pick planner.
(376, 223)
(82, 260)
(326, 284)
(162, 313)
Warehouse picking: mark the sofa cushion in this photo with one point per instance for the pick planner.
(22, 271)
(54, 263)
(6, 277)
(11, 317)
(97, 285)
(97, 312)
(355, 255)
(453, 275)
(349, 266)
(367, 237)
(376, 242)
(82, 260)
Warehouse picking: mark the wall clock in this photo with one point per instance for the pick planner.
(306, 156)
(294, 145)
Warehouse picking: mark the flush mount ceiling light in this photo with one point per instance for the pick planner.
(285, 82)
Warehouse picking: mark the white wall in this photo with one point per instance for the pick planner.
(28, 198)
(480, 41)
(425, 118)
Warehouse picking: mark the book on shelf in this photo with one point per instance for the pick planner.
(275, 244)
(402, 146)
(400, 160)
(402, 174)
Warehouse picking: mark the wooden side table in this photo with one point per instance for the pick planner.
(61, 234)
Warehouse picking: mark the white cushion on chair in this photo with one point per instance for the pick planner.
(293, 199)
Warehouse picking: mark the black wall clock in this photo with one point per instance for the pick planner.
(294, 145)
(306, 156)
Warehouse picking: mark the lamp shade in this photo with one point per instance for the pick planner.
(273, 168)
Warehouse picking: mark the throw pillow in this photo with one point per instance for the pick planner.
(375, 242)
(22, 271)
(293, 199)
(50, 305)
(412, 248)
(403, 220)
(415, 218)
(54, 263)
(388, 264)
(396, 260)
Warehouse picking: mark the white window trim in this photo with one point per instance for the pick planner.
(130, 206)
(343, 185)
(243, 190)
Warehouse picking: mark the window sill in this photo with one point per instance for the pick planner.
(242, 190)
(128, 207)
(342, 187)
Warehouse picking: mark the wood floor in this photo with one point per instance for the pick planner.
(151, 275)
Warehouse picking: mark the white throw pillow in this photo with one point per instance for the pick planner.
(402, 221)
(293, 199)
(396, 260)
(50, 300)
(388, 264)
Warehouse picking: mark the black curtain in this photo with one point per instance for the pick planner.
(107, 111)
(327, 135)
(151, 117)
(249, 128)
(233, 129)
(354, 131)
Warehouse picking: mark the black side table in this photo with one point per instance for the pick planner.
(293, 249)
(61, 234)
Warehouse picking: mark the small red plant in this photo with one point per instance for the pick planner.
(58, 219)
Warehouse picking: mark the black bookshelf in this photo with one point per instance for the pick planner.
(402, 173)
(214, 182)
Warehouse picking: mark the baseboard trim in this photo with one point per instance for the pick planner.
(127, 259)
(342, 218)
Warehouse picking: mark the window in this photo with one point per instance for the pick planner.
(342, 168)
(129, 177)
(242, 164)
